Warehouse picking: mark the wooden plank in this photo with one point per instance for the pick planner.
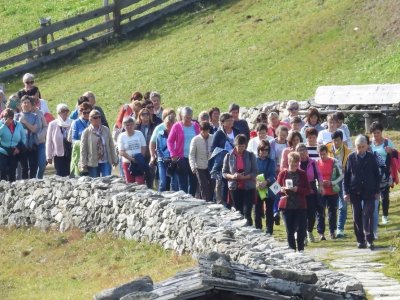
(369, 94)
(126, 3)
(142, 9)
(57, 43)
(33, 35)
(60, 54)
(150, 18)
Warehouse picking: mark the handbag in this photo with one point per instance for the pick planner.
(282, 202)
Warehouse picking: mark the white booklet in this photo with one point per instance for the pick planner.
(275, 187)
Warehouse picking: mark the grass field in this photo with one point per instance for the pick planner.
(247, 51)
(72, 265)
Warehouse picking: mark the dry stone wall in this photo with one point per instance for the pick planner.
(176, 221)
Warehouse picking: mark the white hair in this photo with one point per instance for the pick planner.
(186, 111)
(61, 107)
(28, 77)
(272, 114)
(361, 140)
(155, 94)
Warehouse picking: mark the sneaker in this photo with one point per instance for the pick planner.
(371, 246)
(277, 219)
(322, 237)
(332, 236)
(339, 234)
(361, 245)
(375, 235)
(385, 220)
(310, 237)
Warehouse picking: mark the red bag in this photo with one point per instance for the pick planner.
(282, 202)
(49, 117)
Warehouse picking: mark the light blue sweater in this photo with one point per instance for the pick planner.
(8, 139)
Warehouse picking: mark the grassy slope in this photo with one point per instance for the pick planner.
(244, 51)
(38, 265)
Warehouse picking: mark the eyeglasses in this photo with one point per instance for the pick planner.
(145, 114)
(150, 106)
(95, 117)
(264, 149)
(86, 112)
(64, 110)
(293, 108)
(30, 82)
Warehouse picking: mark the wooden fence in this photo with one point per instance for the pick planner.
(127, 16)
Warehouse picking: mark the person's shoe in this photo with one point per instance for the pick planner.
(310, 237)
(339, 234)
(361, 245)
(277, 219)
(375, 235)
(371, 246)
(332, 236)
(322, 237)
(385, 220)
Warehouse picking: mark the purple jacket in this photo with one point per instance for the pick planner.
(176, 139)
(311, 170)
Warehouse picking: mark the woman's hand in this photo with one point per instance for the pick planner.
(388, 150)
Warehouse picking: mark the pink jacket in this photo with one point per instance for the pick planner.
(176, 139)
(54, 141)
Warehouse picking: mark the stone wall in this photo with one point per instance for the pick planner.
(176, 221)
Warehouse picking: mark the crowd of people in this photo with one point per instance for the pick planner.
(299, 169)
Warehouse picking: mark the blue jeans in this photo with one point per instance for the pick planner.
(163, 179)
(342, 206)
(376, 217)
(103, 169)
(41, 160)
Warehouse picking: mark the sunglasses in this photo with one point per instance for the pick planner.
(264, 150)
(86, 112)
(64, 110)
(145, 114)
(95, 117)
(292, 109)
(30, 82)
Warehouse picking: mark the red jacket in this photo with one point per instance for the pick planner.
(303, 189)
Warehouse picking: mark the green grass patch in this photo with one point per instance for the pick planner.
(247, 51)
(73, 265)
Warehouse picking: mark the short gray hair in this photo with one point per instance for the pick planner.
(155, 94)
(204, 116)
(361, 140)
(61, 107)
(301, 147)
(187, 111)
(27, 77)
(292, 104)
(129, 119)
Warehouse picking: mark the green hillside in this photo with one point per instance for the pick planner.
(247, 51)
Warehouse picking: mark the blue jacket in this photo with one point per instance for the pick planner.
(361, 177)
(161, 145)
(219, 138)
(77, 128)
(9, 140)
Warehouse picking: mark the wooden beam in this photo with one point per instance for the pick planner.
(150, 18)
(33, 35)
(57, 43)
(60, 54)
(142, 9)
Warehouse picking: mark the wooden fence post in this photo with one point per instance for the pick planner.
(43, 40)
(117, 18)
(29, 47)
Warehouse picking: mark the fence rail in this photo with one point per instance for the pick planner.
(127, 16)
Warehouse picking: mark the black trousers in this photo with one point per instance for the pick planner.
(295, 221)
(312, 202)
(330, 201)
(385, 200)
(206, 184)
(29, 163)
(269, 214)
(243, 202)
(363, 218)
(62, 165)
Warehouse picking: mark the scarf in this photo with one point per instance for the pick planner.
(62, 123)
(99, 145)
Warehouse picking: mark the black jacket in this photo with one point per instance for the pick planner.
(361, 177)
(219, 138)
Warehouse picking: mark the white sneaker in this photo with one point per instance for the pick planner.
(385, 220)
(340, 233)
